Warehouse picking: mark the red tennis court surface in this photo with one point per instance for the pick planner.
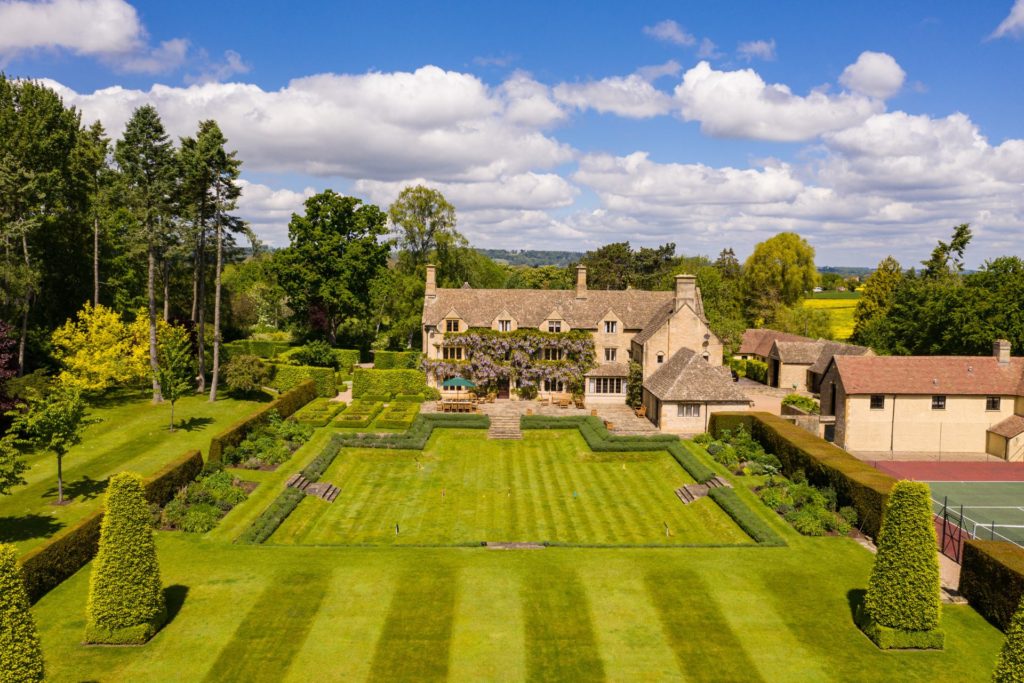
(952, 471)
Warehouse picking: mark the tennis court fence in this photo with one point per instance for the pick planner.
(953, 527)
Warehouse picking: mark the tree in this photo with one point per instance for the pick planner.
(334, 256)
(246, 374)
(126, 601)
(8, 364)
(608, 267)
(539, 277)
(175, 367)
(635, 385)
(21, 658)
(12, 466)
(808, 322)
(98, 350)
(1010, 665)
(720, 293)
(146, 159)
(93, 152)
(53, 423)
(423, 223)
(903, 595)
(728, 265)
(779, 272)
(876, 299)
(948, 258)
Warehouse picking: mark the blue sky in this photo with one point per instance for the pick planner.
(870, 128)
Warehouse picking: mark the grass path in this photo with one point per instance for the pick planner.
(129, 434)
(464, 489)
(262, 613)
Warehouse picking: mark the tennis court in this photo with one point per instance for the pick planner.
(991, 510)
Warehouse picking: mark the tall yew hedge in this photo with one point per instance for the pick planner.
(21, 659)
(1010, 666)
(126, 600)
(902, 604)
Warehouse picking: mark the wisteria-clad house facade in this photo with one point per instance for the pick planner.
(553, 339)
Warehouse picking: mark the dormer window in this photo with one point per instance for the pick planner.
(504, 326)
(610, 326)
(554, 326)
(451, 325)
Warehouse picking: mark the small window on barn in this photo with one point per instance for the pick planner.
(661, 358)
(877, 402)
(938, 402)
(992, 403)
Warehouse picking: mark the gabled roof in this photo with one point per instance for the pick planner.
(530, 307)
(831, 349)
(924, 375)
(758, 342)
(609, 370)
(686, 376)
(1010, 427)
(796, 352)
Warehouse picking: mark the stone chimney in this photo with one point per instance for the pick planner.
(686, 291)
(431, 290)
(1001, 350)
(581, 282)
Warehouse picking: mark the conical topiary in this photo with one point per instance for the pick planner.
(21, 659)
(902, 605)
(126, 600)
(1010, 666)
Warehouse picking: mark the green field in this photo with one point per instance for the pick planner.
(288, 613)
(465, 489)
(130, 433)
(840, 307)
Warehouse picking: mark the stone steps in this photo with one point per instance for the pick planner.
(691, 492)
(505, 426)
(320, 489)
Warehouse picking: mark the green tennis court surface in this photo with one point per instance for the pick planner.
(991, 509)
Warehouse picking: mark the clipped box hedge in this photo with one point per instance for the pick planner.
(318, 413)
(347, 359)
(287, 377)
(409, 398)
(416, 437)
(856, 482)
(46, 566)
(747, 519)
(398, 416)
(390, 382)
(285, 405)
(359, 414)
(252, 347)
(992, 579)
(267, 523)
(397, 360)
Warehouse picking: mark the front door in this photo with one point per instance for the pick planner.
(502, 388)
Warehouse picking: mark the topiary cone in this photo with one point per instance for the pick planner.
(126, 600)
(1010, 665)
(21, 659)
(904, 591)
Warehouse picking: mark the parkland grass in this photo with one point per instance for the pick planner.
(129, 433)
(466, 489)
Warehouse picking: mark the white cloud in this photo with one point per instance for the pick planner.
(432, 123)
(1013, 24)
(268, 210)
(757, 49)
(630, 97)
(528, 102)
(740, 104)
(671, 32)
(107, 29)
(875, 74)
(215, 73)
(522, 191)
(708, 49)
(656, 71)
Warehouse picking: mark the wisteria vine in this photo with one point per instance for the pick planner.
(517, 356)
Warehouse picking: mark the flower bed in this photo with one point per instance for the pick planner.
(269, 444)
(199, 506)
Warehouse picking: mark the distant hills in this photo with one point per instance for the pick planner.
(530, 257)
(846, 271)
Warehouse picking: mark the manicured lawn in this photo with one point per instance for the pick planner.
(840, 311)
(465, 489)
(131, 434)
(293, 613)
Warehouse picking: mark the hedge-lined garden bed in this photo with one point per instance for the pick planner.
(856, 483)
(284, 405)
(197, 507)
(416, 437)
(359, 414)
(319, 413)
(46, 566)
(398, 415)
(992, 579)
(268, 444)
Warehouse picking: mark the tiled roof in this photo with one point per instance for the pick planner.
(655, 323)
(531, 307)
(923, 375)
(1010, 427)
(796, 352)
(831, 349)
(609, 370)
(686, 376)
(758, 342)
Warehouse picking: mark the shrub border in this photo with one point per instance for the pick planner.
(286, 404)
(992, 579)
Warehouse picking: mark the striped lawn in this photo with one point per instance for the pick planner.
(465, 489)
(293, 613)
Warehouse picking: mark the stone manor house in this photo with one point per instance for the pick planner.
(665, 332)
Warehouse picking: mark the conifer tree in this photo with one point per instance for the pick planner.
(21, 659)
(1010, 666)
(126, 602)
